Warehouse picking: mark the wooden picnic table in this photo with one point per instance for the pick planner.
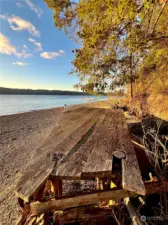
(83, 145)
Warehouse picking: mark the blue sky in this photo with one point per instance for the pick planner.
(33, 53)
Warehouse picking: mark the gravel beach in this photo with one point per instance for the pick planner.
(20, 135)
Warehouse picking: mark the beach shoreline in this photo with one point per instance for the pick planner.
(91, 103)
(20, 135)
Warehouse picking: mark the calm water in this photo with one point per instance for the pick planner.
(12, 104)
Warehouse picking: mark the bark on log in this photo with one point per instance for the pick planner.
(63, 203)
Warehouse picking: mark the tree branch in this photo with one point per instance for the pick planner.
(155, 77)
(157, 20)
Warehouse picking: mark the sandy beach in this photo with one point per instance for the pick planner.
(20, 135)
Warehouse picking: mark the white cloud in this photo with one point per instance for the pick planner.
(19, 24)
(37, 44)
(52, 55)
(5, 46)
(49, 55)
(8, 49)
(34, 8)
(18, 4)
(24, 46)
(61, 51)
(20, 63)
(23, 54)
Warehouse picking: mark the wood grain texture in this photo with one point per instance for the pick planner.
(81, 214)
(131, 174)
(40, 166)
(106, 136)
(94, 157)
(73, 165)
(38, 208)
(87, 138)
(91, 198)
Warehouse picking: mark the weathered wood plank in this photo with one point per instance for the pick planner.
(131, 175)
(94, 158)
(70, 202)
(81, 214)
(73, 165)
(100, 158)
(38, 208)
(70, 116)
(40, 166)
(73, 138)
(92, 198)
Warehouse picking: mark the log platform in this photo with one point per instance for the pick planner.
(85, 145)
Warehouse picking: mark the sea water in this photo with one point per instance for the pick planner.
(12, 104)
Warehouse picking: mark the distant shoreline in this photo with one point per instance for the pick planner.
(41, 94)
(15, 91)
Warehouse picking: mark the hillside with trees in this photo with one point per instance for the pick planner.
(15, 91)
(124, 44)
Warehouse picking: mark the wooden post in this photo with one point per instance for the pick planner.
(100, 184)
(57, 187)
(133, 215)
(97, 183)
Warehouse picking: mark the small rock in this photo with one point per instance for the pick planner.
(13, 139)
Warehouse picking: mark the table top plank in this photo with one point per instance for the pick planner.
(94, 157)
(72, 166)
(131, 174)
(40, 166)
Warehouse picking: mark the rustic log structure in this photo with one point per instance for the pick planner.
(87, 144)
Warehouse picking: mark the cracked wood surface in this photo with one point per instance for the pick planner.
(87, 139)
(72, 126)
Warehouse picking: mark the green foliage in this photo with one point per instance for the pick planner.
(122, 41)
